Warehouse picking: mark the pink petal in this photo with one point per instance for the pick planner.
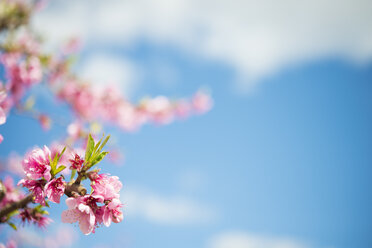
(70, 216)
(84, 208)
(2, 116)
(71, 202)
(106, 217)
(85, 225)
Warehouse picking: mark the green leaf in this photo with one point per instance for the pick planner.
(98, 158)
(44, 212)
(54, 163)
(60, 155)
(47, 204)
(38, 208)
(89, 149)
(73, 173)
(98, 144)
(12, 225)
(60, 168)
(15, 212)
(103, 144)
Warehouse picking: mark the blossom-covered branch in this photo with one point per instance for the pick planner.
(64, 168)
(45, 182)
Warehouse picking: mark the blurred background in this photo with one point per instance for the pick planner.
(283, 160)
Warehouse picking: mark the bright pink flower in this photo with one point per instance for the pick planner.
(106, 186)
(55, 189)
(76, 162)
(29, 215)
(36, 187)
(1, 138)
(82, 209)
(37, 164)
(112, 212)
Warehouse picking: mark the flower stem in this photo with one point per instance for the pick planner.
(14, 206)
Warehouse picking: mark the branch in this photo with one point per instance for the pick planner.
(2, 191)
(75, 189)
(15, 205)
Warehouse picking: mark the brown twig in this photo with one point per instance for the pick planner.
(15, 205)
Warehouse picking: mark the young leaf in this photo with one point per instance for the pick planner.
(59, 169)
(103, 144)
(12, 225)
(98, 158)
(73, 173)
(98, 144)
(60, 155)
(54, 163)
(89, 149)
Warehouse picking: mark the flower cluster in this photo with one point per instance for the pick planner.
(101, 206)
(23, 65)
(37, 168)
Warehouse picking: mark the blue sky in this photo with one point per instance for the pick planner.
(282, 161)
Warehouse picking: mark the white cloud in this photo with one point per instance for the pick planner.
(239, 239)
(167, 210)
(256, 38)
(105, 69)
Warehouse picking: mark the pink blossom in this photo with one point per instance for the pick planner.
(37, 164)
(45, 122)
(14, 164)
(28, 43)
(31, 71)
(55, 189)
(9, 244)
(107, 186)
(31, 216)
(76, 162)
(12, 194)
(3, 108)
(72, 46)
(111, 212)
(2, 112)
(182, 109)
(82, 209)
(75, 130)
(36, 187)
(159, 109)
(41, 220)
(202, 102)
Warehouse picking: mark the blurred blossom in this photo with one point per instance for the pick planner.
(202, 102)
(45, 122)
